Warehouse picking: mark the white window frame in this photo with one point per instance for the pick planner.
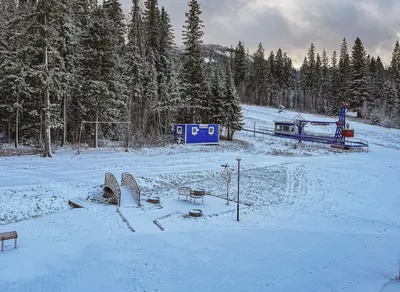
(179, 130)
(211, 131)
(194, 131)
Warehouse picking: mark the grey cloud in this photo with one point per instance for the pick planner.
(323, 22)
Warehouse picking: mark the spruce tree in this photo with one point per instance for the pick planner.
(232, 107)
(50, 71)
(195, 93)
(395, 66)
(325, 83)
(271, 77)
(239, 68)
(343, 72)
(14, 88)
(114, 11)
(304, 83)
(104, 87)
(151, 25)
(167, 78)
(358, 83)
(219, 107)
(318, 73)
(259, 75)
(334, 85)
(135, 62)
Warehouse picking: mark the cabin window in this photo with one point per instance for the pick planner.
(194, 131)
(179, 130)
(211, 130)
(286, 128)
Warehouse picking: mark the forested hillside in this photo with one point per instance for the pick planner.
(67, 61)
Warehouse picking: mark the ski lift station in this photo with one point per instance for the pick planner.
(285, 122)
(196, 133)
(291, 125)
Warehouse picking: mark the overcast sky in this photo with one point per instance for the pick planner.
(293, 24)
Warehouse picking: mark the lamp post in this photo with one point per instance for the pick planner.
(238, 188)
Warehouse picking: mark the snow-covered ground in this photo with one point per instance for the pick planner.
(319, 220)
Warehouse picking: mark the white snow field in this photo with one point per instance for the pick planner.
(319, 220)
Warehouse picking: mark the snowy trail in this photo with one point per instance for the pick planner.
(319, 221)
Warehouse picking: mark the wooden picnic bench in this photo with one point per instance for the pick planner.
(8, 235)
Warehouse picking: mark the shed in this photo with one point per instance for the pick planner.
(284, 122)
(196, 133)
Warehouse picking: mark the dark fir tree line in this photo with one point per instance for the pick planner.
(67, 61)
(322, 83)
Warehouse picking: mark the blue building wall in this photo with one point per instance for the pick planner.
(197, 133)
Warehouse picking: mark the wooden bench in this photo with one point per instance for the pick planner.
(7, 236)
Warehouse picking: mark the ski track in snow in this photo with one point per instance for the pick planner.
(319, 220)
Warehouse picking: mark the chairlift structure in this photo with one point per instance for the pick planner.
(294, 129)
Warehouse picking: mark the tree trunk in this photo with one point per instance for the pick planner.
(47, 137)
(17, 125)
(65, 114)
(96, 134)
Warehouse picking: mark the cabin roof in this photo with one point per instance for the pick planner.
(287, 117)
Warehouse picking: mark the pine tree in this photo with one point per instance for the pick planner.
(69, 47)
(358, 86)
(13, 85)
(279, 76)
(104, 89)
(195, 88)
(289, 78)
(318, 69)
(114, 11)
(232, 107)
(46, 29)
(271, 77)
(343, 72)
(379, 79)
(395, 67)
(239, 68)
(334, 85)
(219, 107)
(304, 83)
(390, 97)
(151, 25)
(325, 82)
(77, 103)
(167, 80)
(259, 75)
(135, 62)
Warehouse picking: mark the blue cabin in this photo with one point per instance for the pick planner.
(196, 133)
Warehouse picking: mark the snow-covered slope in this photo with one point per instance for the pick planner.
(319, 221)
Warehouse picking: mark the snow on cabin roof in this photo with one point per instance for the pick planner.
(287, 117)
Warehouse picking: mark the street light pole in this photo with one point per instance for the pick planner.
(238, 188)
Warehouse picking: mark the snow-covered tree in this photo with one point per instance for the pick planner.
(324, 83)
(343, 71)
(358, 83)
(239, 68)
(232, 107)
(334, 102)
(259, 75)
(218, 112)
(195, 91)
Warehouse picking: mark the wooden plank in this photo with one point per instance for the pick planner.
(8, 235)
(78, 203)
(158, 224)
